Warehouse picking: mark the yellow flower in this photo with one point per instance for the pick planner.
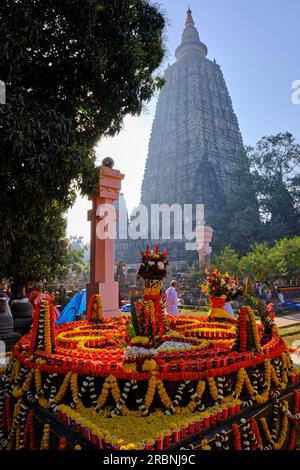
(140, 339)
(129, 366)
(149, 365)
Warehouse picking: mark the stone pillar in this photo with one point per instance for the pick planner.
(102, 279)
(204, 236)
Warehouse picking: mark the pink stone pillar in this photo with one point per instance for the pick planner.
(204, 236)
(102, 250)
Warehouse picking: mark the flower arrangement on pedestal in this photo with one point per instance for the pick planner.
(149, 314)
(218, 287)
(154, 264)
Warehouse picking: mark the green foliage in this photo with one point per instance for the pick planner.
(273, 164)
(134, 319)
(258, 262)
(227, 260)
(37, 249)
(131, 329)
(286, 256)
(253, 300)
(263, 261)
(243, 224)
(265, 205)
(74, 258)
(72, 71)
(266, 262)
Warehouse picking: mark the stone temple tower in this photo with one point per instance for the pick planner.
(195, 143)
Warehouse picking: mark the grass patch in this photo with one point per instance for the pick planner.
(293, 326)
(290, 333)
(197, 313)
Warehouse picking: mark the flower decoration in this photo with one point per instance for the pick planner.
(219, 284)
(153, 264)
(95, 309)
(167, 385)
(43, 326)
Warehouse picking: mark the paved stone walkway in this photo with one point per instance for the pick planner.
(289, 319)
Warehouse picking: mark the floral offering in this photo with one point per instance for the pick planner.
(219, 284)
(176, 382)
(153, 264)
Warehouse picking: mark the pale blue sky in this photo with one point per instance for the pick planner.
(257, 44)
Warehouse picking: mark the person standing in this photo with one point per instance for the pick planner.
(281, 297)
(172, 300)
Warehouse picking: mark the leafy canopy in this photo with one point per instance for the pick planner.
(73, 70)
(263, 262)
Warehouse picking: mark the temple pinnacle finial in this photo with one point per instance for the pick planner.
(189, 18)
(190, 41)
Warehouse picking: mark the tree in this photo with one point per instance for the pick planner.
(236, 220)
(227, 260)
(293, 187)
(75, 258)
(43, 252)
(273, 162)
(286, 257)
(258, 263)
(72, 71)
(243, 223)
(263, 262)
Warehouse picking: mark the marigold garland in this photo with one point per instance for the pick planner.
(213, 388)
(292, 440)
(236, 437)
(204, 445)
(283, 432)
(95, 309)
(85, 351)
(45, 443)
(42, 332)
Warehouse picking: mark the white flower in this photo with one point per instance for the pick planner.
(151, 263)
(136, 351)
(160, 265)
(173, 345)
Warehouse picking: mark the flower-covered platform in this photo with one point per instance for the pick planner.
(85, 377)
(191, 382)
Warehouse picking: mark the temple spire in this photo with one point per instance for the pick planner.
(190, 41)
(189, 18)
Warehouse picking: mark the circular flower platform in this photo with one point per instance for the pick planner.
(98, 383)
(152, 381)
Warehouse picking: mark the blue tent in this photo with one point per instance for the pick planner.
(290, 304)
(76, 306)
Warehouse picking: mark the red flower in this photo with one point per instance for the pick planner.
(148, 251)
